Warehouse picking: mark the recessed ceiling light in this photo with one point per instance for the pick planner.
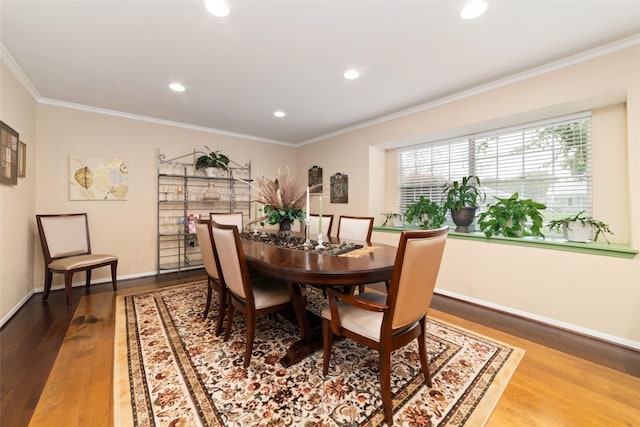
(351, 74)
(473, 9)
(279, 113)
(218, 8)
(176, 87)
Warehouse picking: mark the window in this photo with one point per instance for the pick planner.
(549, 162)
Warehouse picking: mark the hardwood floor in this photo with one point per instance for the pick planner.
(563, 379)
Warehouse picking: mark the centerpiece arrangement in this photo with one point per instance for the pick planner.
(283, 199)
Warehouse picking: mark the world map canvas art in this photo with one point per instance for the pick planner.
(92, 178)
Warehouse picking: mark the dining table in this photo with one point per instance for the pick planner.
(300, 266)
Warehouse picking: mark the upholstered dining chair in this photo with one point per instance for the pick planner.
(205, 241)
(314, 225)
(67, 250)
(355, 228)
(228, 218)
(388, 322)
(254, 297)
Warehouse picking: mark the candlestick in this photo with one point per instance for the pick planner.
(255, 210)
(308, 204)
(320, 217)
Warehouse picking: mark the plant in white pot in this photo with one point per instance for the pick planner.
(580, 228)
(462, 199)
(212, 161)
(512, 217)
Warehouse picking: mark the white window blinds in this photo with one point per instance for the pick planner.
(549, 162)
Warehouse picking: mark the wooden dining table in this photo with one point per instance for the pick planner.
(370, 264)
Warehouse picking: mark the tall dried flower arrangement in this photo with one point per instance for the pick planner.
(283, 198)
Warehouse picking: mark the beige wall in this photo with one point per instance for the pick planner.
(17, 202)
(594, 294)
(127, 228)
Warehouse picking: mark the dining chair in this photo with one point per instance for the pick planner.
(388, 322)
(254, 297)
(355, 228)
(327, 222)
(67, 250)
(229, 218)
(205, 241)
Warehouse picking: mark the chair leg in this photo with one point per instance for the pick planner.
(206, 308)
(68, 280)
(114, 275)
(385, 385)
(327, 345)
(422, 346)
(230, 310)
(222, 298)
(251, 332)
(87, 282)
(48, 279)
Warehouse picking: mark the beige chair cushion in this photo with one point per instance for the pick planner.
(66, 235)
(354, 229)
(362, 322)
(233, 218)
(314, 225)
(80, 261)
(229, 262)
(268, 292)
(206, 250)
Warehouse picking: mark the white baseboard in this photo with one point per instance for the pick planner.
(81, 283)
(15, 309)
(551, 322)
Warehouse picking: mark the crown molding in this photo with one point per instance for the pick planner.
(18, 73)
(535, 72)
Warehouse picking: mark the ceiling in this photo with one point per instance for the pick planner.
(290, 56)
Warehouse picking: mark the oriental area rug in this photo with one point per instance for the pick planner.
(172, 370)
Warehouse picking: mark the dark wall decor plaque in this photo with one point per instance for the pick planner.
(339, 188)
(315, 177)
(8, 154)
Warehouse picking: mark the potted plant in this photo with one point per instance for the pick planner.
(462, 200)
(283, 199)
(212, 161)
(393, 217)
(509, 217)
(426, 213)
(580, 228)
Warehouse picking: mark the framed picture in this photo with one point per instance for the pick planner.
(315, 178)
(8, 154)
(339, 188)
(22, 159)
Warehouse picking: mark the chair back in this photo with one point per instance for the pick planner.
(414, 275)
(327, 222)
(63, 235)
(355, 228)
(205, 240)
(232, 265)
(227, 218)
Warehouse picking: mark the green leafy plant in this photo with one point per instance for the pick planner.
(389, 216)
(465, 194)
(214, 159)
(276, 215)
(429, 214)
(509, 217)
(599, 227)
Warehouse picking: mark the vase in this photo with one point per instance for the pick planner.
(463, 218)
(211, 193)
(284, 227)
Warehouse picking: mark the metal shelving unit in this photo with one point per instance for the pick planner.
(180, 193)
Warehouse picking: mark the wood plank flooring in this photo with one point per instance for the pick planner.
(563, 380)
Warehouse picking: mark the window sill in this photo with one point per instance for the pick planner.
(596, 248)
